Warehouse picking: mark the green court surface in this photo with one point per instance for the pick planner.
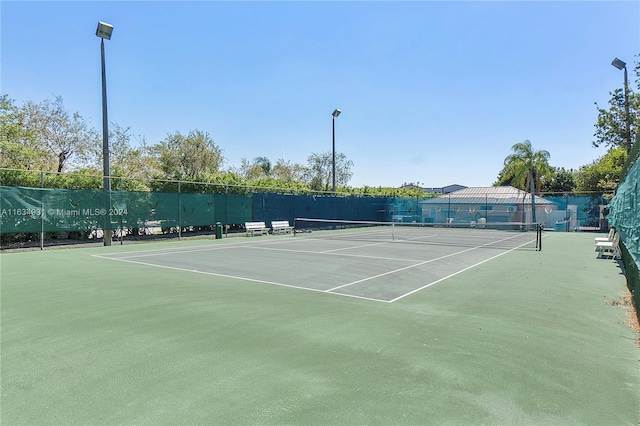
(292, 330)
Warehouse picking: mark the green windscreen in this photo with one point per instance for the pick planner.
(624, 215)
(51, 210)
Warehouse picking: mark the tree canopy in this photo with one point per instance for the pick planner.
(187, 156)
(63, 140)
(17, 142)
(43, 136)
(559, 180)
(611, 129)
(320, 170)
(603, 174)
(46, 137)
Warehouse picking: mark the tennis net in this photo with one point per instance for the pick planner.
(503, 235)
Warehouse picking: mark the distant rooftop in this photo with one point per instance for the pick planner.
(431, 190)
(487, 195)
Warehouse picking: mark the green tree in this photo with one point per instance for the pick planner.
(64, 139)
(611, 124)
(525, 165)
(243, 169)
(181, 156)
(560, 180)
(17, 144)
(603, 174)
(320, 171)
(136, 163)
(259, 168)
(288, 172)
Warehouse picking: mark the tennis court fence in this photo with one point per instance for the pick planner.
(624, 216)
(55, 215)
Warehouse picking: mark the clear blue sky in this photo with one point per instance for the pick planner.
(430, 92)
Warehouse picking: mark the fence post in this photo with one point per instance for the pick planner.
(486, 207)
(566, 212)
(120, 215)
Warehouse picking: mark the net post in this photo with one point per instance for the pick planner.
(538, 237)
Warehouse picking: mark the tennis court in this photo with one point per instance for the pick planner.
(379, 262)
(209, 331)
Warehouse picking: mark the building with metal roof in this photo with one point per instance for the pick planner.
(486, 204)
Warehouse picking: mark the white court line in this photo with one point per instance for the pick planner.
(352, 248)
(134, 254)
(241, 278)
(167, 251)
(343, 234)
(423, 263)
(420, 237)
(254, 246)
(163, 252)
(328, 253)
(455, 273)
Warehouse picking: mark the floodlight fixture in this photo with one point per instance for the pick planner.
(336, 112)
(618, 64)
(104, 30)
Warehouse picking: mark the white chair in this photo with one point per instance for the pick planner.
(609, 236)
(609, 248)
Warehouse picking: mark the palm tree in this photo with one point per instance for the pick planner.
(525, 167)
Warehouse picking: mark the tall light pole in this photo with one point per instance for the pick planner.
(621, 65)
(104, 31)
(336, 112)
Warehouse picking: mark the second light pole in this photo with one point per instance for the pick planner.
(103, 31)
(621, 65)
(336, 112)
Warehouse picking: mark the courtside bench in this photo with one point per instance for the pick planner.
(256, 228)
(281, 227)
